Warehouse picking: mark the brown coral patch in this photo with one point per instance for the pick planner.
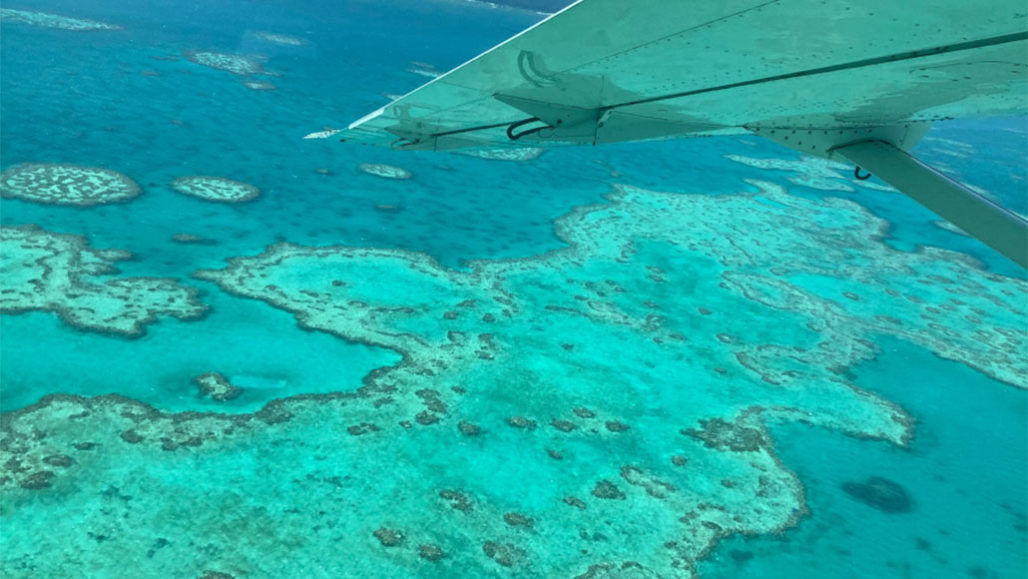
(389, 537)
(469, 429)
(505, 554)
(430, 552)
(605, 489)
(522, 422)
(457, 500)
(38, 480)
(720, 434)
(519, 520)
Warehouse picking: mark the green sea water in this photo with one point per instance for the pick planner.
(650, 360)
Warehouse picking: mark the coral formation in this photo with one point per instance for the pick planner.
(388, 207)
(259, 85)
(389, 537)
(216, 387)
(721, 435)
(215, 189)
(880, 493)
(282, 39)
(506, 154)
(431, 552)
(518, 520)
(45, 20)
(605, 489)
(191, 239)
(241, 64)
(45, 271)
(423, 69)
(66, 184)
(616, 457)
(323, 134)
(505, 554)
(385, 171)
(812, 172)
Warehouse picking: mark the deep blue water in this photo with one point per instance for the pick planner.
(965, 471)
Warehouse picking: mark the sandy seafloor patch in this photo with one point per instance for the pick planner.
(623, 331)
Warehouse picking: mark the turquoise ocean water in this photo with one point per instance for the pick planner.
(567, 366)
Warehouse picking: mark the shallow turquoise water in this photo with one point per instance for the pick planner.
(966, 470)
(627, 323)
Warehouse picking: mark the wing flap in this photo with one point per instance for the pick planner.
(709, 67)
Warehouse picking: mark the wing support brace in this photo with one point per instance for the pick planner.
(982, 219)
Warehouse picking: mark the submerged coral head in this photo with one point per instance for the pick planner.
(880, 493)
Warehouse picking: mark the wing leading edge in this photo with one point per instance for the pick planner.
(816, 75)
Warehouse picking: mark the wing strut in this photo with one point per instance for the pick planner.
(982, 219)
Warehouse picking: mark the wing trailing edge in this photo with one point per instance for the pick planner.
(825, 78)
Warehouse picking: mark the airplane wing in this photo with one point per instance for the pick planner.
(816, 75)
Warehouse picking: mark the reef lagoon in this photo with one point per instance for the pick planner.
(227, 351)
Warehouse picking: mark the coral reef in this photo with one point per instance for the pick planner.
(721, 435)
(423, 69)
(323, 134)
(241, 64)
(505, 554)
(216, 387)
(192, 239)
(66, 184)
(45, 20)
(507, 154)
(431, 552)
(607, 490)
(389, 537)
(259, 85)
(692, 321)
(388, 207)
(282, 39)
(379, 170)
(812, 172)
(880, 493)
(45, 271)
(216, 189)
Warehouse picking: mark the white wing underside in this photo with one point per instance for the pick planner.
(854, 79)
(606, 71)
